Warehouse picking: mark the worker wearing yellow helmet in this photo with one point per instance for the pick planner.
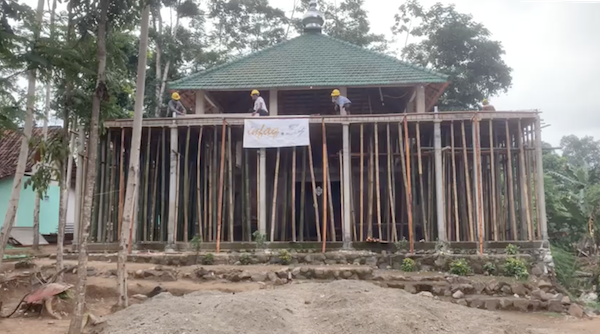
(487, 106)
(175, 107)
(260, 107)
(342, 103)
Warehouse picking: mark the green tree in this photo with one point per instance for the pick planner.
(454, 44)
(584, 151)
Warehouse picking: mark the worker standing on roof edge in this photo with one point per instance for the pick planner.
(175, 107)
(487, 106)
(260, 107)
(342, 103)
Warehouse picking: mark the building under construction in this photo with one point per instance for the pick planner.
(395, 169)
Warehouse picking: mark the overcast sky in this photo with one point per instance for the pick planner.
(552, 46)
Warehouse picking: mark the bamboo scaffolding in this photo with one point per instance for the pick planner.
(524, 179)
(534, 163)
(454, 184)
(370, 199)
(404, 164)
(293, 194)
(198, 191)
(430, 195)
(330, 201)
(479, 186)
(390, 186)
(221, 180)
(284, 202)
(145, 179)
(302, 195)
(467, 183)
(258, 191)
(111, 180)
(121, 177)
(378, 192)
(247, 195)
(528, 172)
(163, 224)
(494, 221)
(342, 197)
(154, 195)
(100, 225)
(186, 186)
(314, 193)
(511, 196)
(274, 207)
(214, 186)
(230, 184)
(325, 172)
(362, 181)
(421, 190)
(177, 196)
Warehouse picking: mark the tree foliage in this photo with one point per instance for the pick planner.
(454, 44)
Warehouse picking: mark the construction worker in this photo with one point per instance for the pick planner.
(487, 106)
(342, 103)
(260, 107)
(175, 107)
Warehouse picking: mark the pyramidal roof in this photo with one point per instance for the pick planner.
(311, 60)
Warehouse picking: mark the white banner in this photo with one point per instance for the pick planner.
(264, 132)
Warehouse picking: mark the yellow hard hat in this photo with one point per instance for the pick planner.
(255, 92)
(335, 93)
(175, 96)
(485, 101)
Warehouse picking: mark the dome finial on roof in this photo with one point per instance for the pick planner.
(313, 18)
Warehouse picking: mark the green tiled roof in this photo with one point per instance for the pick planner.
(309, 60)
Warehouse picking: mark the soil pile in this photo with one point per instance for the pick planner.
(348, 307)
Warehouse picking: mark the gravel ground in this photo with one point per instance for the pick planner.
(348, 307)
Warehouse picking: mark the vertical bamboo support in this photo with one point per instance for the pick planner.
(146, 180)
(480, 213)
(362, 181)
(421, 190)
(378, 192)
(390, 186)
(342, 197)
(454, 184)
(221, 180)
(524, 180)
(325, 172)
(303, 195)
(370, 197)
(100, 224)
(163, 187)
(213, 187)
(494, 220)
(511, 193)
(294, 194)
(330, 201)
(186, 186)
(198, 191)
(154, 195)
(403, 166)
(534, 163)
(314, 194)
(230, 184)
(468, 183)
(409, 189)
(528, 172)
(258, 213)
(121, 177)
(274, 207)
(110, 217)
(284, 201)
(248, 207)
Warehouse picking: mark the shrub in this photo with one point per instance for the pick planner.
(516, 268)
(512, 249)
(285, 257)
(565, 266)
(408, 265)
(245, 259)
(196, 243)
(259, 239)
(460, 267)
(489, 268)
(208, 259)
(401, 244)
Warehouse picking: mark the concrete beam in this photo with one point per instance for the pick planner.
(420, 101)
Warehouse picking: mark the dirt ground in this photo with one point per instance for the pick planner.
(303, 307)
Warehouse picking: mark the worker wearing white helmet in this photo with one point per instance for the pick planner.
(342, 103)
(260, 108)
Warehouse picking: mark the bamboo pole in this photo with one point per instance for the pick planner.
(378, 192)
(468, 183)
(493, 175)
(409, 189)
(284, 202)
(454, 184)
(534, 163)
(302, 196)
(421, 190)
(314, 193)
(258, 192)
(146, 179)
(528, 172)
(221, 180)
(342, 197)
(370, 199)
(390, 186)
(403, 167)
(100, 225)
(186, 185)
(330, 201)
(198, 199)
(362, 181)
(121, 177)
(325, 172)
(163, 222)
(294, 194)
(154, 194)
(526, 186)
(479, 183)
(511, 196)
(111, 189)
(248, 201)
(274, 207)
(230, 184)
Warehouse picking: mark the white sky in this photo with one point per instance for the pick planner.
(552, 46)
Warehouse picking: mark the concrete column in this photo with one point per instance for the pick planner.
(347, 237)
(539, 179)
(262, 192)
(173, 178)
(200, 102)
(420, 100)
(439, 187)
(476, 179)
(273, 102)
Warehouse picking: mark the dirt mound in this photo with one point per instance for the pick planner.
(348, 307)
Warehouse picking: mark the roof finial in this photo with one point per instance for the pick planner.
(313, 18)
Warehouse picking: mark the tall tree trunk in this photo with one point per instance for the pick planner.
(157, 77)
(101, 94)
(65, 179)
(134, 162)
(13, 202)
(36, 208)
